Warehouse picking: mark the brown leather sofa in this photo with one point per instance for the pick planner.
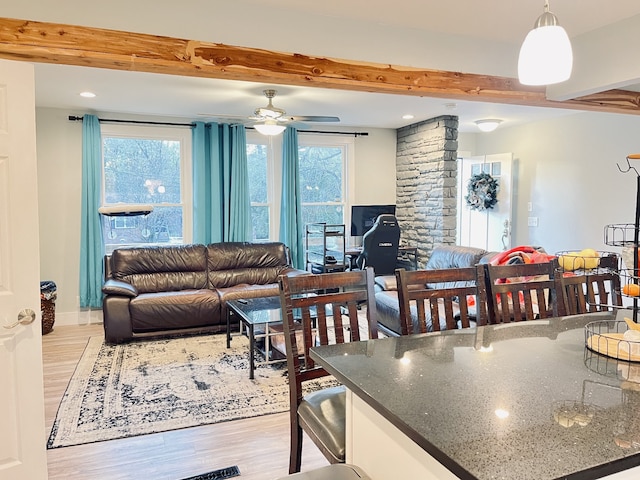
(152, 291)
(442, 256)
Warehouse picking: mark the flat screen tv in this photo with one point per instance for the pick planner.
(364, 216)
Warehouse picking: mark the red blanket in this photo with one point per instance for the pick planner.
(522, 254)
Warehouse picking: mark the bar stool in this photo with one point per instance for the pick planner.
(336, 471)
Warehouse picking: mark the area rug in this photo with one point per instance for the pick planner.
(154, 386)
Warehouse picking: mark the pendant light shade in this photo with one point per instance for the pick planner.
(269, 127)
(546, 56)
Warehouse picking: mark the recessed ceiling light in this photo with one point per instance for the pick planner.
(451, 106)
(408, 116)
(87, 94)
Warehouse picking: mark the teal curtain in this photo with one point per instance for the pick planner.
(91, 241)
(290, 207)
(222, 207)
(204, 176)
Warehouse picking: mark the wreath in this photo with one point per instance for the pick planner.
(482, 192)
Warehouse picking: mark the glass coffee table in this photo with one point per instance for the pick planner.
(254, 313)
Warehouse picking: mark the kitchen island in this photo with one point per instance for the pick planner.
(519, 401)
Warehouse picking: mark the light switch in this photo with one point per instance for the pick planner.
(533, 221)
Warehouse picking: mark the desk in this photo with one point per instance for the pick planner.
(405, 253)
(446, 406)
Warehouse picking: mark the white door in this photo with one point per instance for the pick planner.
(22, 432)
(489, 229)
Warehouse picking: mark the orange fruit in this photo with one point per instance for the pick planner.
(631, 289)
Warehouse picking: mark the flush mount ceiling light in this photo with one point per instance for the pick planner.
(87, 94)
(545, 56)
(488, 125)
(269, 127)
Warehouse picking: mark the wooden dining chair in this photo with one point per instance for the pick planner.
(591, 292)
(311, 319)
(520, 292)
(452, 304)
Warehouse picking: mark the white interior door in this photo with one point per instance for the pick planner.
(22, 434)
(488, 229)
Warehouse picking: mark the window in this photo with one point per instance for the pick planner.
(147, 165)
(324, 185)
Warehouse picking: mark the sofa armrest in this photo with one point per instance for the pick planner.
(387, 282)
(118, 287)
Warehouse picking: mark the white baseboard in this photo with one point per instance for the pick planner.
(82, 317)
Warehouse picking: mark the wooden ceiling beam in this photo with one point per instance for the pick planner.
(92, 47)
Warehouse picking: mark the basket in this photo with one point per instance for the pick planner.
(607, 338)
(48, 294)
(48, 309)
(573, 261)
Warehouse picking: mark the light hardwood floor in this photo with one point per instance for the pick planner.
(258, 446)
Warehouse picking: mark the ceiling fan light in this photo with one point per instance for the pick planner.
(546, 56)
(269, 128)
(488, 125)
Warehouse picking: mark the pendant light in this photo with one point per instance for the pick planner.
(545, 56)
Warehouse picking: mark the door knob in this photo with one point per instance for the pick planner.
(25, 317)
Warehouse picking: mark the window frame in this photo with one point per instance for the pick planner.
(274, 172)
(274, 178)
(154, 132)
(347, 145)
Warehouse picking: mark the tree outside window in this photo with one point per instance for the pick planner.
(323, 185)
(141, 168)
(257, 163)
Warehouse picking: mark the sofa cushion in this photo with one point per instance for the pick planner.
(174, 310)
(387, 303)
(235, 263)
(161, 269)
(248, 291)
(454, 256)
(388, 311)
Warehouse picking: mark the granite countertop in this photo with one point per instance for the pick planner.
(523, 401)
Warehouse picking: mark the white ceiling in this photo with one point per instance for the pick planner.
(400, 32)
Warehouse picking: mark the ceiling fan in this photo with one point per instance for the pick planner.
(270, 120)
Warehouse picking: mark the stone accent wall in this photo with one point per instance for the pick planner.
(426, 184)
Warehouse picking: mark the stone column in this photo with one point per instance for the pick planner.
(426, 184)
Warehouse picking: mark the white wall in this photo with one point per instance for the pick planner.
(59, 149)
(59, 144)
(375, 168)
(567, 168)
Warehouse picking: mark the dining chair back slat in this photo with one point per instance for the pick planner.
(519, 292)
(590, 292)
(424, 309)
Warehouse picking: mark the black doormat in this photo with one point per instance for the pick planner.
(218, 474)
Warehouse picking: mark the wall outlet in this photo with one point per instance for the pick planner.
(532, 221)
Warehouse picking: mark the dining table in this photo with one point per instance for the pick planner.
(513, 401)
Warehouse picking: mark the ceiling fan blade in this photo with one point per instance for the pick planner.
(312, 118)
(222, 116)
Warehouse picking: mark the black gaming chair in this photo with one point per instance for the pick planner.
(380, 246)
